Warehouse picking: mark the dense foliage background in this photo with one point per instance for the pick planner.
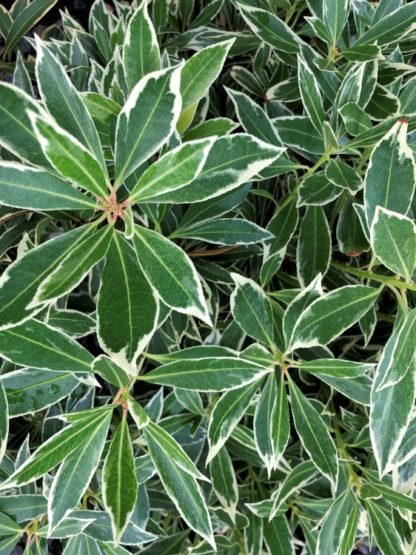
(208, 249)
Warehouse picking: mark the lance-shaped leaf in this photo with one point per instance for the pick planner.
(232, 161)
(384, 532)
(299, 304)
(119, 480)
(24, 18)
(75, 266)
(393, 238)
(38, 345)
(271, 422)
(300, 476)
(30, 390)
(35, 189)
(224, 481)
(313, 253)
(342, 175)
(226, 231)
(8, 526)
(139, 415)
(252, 310)
(391, 27)
(278, 536)
(335, 16)
(311, 95)
(334, 524)
(201, 70)
(171, 273)
(181, 487)
(147, 120)
(207, 374)
(16, 132)
(53, 451)
(227, 412)
(271, 29)
(140, 50)
(177, 455)
(390, 408)
(75, 474)
(127, 306)
(337, 368)
(314, 434)
(350, 530)
(172, 171)
(21, 280)
(69, 156)
(4, 420)
(391, 177)
(64, 102)
(72, 322)
(110, 371)
(330, 315)
(402, 360)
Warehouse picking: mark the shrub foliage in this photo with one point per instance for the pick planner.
(208, 248)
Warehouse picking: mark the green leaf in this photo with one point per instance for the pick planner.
(119, 480)
(139, 415)
(330, 315)
(40, 346)
(232, 161)
(53, 451)
(63, 101)
(16, 132)
(224, 481)
(25, 20)
(344, 176)
(147, 120)
(337, 368)
(393, 238)
(390, 408)
(176, 454)
(252, 310)
(19, 283)
(35, 189)
(313, 253)
(201, 70)
(350, 530)
(300, 476)
(70, 157)
(110, 371)
(140, 50)
(271, 29)
(271, 422)
(75, 474)
(311, 95)
(225, 231)
(72, 322)
(8, 527)
(386, 536)
(181, 487)
(334, 524)
(314, 434)
(174, 170)
(178, 284)
(298, 305)
(126, 321)
(207, 374)
(30, 390)
(75, 266)
(226, 414)
(335, 16)
(4, 420)
(317, 190)
(391, 27)
(278, 536)
(402, 358)
(390, 178)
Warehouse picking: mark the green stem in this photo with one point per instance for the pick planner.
(387, 280)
